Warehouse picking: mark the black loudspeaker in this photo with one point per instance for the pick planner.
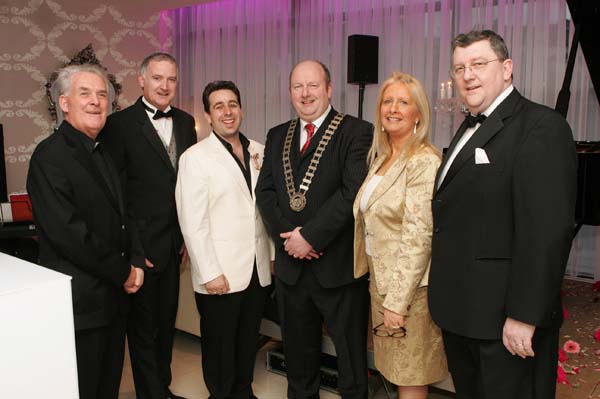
(3, 189)
(363, 59)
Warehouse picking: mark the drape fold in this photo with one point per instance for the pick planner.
(255, 43)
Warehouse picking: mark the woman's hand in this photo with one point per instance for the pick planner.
(392, 320)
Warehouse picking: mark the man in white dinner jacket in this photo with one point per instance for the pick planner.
(229, 248)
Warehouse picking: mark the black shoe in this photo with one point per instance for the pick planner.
(171, 395)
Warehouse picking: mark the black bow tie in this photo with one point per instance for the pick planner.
(159, 114)
(474, 120)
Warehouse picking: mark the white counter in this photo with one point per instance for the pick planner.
(37, 337)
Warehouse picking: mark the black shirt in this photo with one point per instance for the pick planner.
(245, 168)
(99, 159)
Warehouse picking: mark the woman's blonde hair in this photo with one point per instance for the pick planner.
(381, 143)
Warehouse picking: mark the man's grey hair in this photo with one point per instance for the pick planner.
(65, 76)
(63, 81)
(157, 57)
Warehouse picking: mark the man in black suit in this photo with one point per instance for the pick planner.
(146, 141)
(503, 222)
(312, 170)
(80, 214)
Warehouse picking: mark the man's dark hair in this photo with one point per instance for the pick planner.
(156, 57)
(496, 41)
(219, 85)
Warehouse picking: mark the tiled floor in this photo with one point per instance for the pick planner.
(188, 382)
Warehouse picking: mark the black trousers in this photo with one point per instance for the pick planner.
(151, 330)
(100, 353)
(304, 307)
(229, 327)
(485, 369)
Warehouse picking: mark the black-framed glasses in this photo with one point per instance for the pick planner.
(459, 70)
(397, 333)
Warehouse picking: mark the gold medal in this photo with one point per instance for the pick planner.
(298, 198)
(297, 202)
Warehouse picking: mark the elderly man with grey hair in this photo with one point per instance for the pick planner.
(79, 209)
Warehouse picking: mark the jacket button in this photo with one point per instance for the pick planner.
(122, 227)
(122, 254)
(436, 230)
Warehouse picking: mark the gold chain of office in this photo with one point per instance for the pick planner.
(298, 198)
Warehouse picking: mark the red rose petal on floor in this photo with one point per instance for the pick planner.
(561, 376)
(597, 334)
(562, 355)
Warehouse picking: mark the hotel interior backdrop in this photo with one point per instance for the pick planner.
(256, 42)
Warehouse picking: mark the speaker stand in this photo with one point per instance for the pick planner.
(361, 99)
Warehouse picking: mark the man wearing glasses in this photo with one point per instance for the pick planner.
(503, 211)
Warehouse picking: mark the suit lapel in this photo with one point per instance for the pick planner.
(492, 125)
(114, 175)
(84, 158)
(486, 131)
(455, 140)
(295, 158)
(178, 131)
(150, 133)
(255, 163)
(224, 159)
(388, 179)
(372, 169)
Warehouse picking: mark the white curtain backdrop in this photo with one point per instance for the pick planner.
(247, 42)
(255, 43)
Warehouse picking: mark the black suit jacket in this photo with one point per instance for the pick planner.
(327, 221)
(150, 179)
(503, 230)
(82, 224)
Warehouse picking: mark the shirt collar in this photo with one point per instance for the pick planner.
(245, 142)
(317, 122)
(151, 109)
(89, 144)
(498, 100)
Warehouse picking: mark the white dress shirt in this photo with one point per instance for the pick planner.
(164, 126)
(364, 200)
(318, 122)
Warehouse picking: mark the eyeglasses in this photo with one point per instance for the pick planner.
(399, 333)
(459, 70)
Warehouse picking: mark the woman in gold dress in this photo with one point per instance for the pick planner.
(393, 226)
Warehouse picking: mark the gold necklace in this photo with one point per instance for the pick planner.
(298, 198)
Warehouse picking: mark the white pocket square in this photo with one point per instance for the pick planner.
(480, 156)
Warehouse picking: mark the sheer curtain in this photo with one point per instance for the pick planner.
(247, 42)
(256, 42)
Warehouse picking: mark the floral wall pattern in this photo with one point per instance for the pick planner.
(38, 36)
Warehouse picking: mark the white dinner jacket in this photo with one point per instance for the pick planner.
(221, 225)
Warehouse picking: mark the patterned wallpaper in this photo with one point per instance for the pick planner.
(38, 36)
